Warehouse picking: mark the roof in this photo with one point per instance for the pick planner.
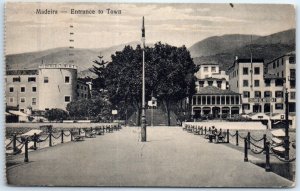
(211, 78)
(245, 60)
(19, 113)
(208, 64)
(287, 54)
(22, 72)
(212, 90)
(248, 60)
(272, 76)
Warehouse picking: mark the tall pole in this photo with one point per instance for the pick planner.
(286, 138)
(143, 130)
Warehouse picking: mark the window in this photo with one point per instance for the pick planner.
(201, 84)
(268, 82)
(245, 83)
(22, 110)
(22, 99)
(256, 83)
(268, 94)
(237, 99)
(282, 74)
(257, 94)
(246, 106)
(277, 63)
(22, 89)
(218, 99)
(219, 84)
(293, 95)
(279, 82)
(31, 79)
(204, 100)
(222, 100)
(77, 86)
(292, 60)
(282, 61)
(67, 98)
(205, 69)
(208, 100)
(246, 94)
(292, 74)
(33, 101)
(227, 100)
(213, 100)
(11, 100)
(274, 66)
(245, 71)
(292, 84)
(194, 100)
(17, 79)
(279, 106)
(213, 69)
(33, 89)
(11, 89)
(232, 100)
(46, 80)
(278, 94)
(210, 83)
(67, 79)
(256, 70)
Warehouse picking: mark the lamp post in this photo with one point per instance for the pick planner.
(286, 138)
(143, 129)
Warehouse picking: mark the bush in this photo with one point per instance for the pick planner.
(56, 114)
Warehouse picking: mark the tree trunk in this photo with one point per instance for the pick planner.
(167, 106)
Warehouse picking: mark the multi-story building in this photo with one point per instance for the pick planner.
(212, 95)
(261, 92)
(49, 86)
(284, 67)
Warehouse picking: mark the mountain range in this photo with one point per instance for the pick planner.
(216, 49)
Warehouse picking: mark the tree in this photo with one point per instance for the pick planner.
(97, 107)
(56, 114)
(169, 75)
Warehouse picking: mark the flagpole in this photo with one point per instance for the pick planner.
(143, 129)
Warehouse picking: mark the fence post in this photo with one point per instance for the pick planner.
(71, 134)
(201, 130)
(237, 138)
(34, 141)
(265, 141)
(26, 150)
(205, 130)
(267, 148)
(79, 131)
(50, 139)
(246, 151)
(227, 135)
(62, 136)
(248, 141)
(15, 143)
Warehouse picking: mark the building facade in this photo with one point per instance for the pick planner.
(212, 96)
(49, 86)
(261, 92)
(285, 67)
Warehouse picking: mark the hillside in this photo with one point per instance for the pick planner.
(83, 58)
(219, 44)
(267, 47)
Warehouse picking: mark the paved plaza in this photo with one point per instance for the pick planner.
(170, 157)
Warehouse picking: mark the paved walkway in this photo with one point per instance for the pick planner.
(171, 157)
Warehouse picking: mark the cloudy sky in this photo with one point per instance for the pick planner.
(176, 24)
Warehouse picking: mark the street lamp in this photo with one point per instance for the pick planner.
(143, 130)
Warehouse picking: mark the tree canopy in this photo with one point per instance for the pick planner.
(169, 74)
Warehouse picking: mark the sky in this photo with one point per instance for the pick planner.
(175, 24)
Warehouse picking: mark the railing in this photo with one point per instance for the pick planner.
(18, 143)
(250, 143)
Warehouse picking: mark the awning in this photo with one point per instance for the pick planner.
(278, 133)
(19, 113)
(8, 114)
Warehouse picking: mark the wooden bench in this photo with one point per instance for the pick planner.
(77, 137)
(221, 137)
(90, 134)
